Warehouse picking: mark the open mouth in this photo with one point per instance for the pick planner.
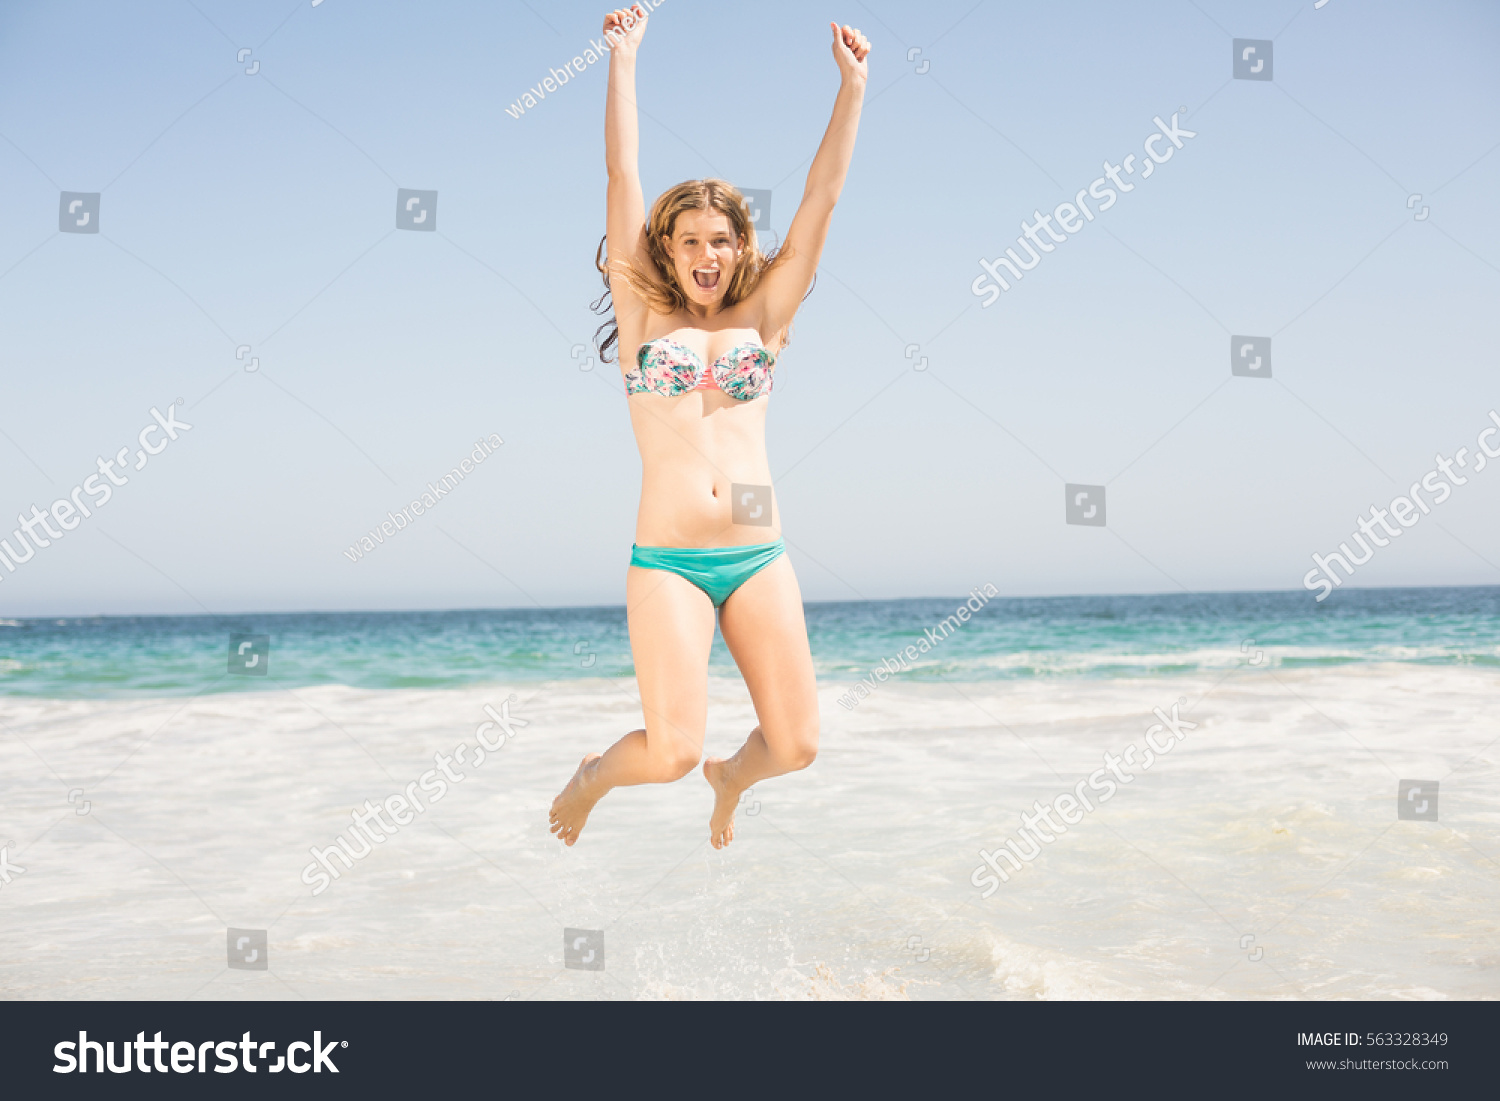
(706, 278)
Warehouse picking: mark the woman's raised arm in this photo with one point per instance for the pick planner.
(626, 205)
(787, 281)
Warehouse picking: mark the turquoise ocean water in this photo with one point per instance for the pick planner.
(1009, 638)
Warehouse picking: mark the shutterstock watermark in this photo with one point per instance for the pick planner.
(978, 598)
(1067, 215)
(7, 869)
(1406, 509)
(397, 521)
(72, 510)
(596, 50)
(405, 805)
(1072, 805)
(190, 1057)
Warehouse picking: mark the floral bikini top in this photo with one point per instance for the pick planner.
(668, 368)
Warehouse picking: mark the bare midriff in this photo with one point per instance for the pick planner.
(695, 448)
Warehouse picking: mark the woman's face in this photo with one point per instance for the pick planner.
(704, 251)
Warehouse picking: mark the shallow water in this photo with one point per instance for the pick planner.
(1005, 639)
(1275, 818)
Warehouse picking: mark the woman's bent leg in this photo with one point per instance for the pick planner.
(763, 625)
(671, 631)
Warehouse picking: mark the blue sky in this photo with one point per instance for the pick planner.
(259, 209)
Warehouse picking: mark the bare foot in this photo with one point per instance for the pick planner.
(570, 810)
(720, 774)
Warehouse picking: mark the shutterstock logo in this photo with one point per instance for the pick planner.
(1252, 59)
(1417, 800)
(404, 806)
(1085, 505)
(1406, 510)
(250, 655)
(750, 504)
(190, 1057)
(1250, 356)
(1039, 237)
(583, 949)
(1072, 806)
(79, 212)
(416, 209)
(67, 512)
(247, 950)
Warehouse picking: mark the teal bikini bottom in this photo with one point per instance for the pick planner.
(718, 571)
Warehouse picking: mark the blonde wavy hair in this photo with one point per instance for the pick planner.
(657, 284)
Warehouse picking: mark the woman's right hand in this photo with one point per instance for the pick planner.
(625, 28)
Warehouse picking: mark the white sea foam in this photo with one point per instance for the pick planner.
(1275, 819)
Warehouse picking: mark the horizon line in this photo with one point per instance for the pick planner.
(6, 618)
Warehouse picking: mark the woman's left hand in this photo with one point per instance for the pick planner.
(850, 48)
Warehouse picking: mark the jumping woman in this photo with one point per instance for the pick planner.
(702, 314)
